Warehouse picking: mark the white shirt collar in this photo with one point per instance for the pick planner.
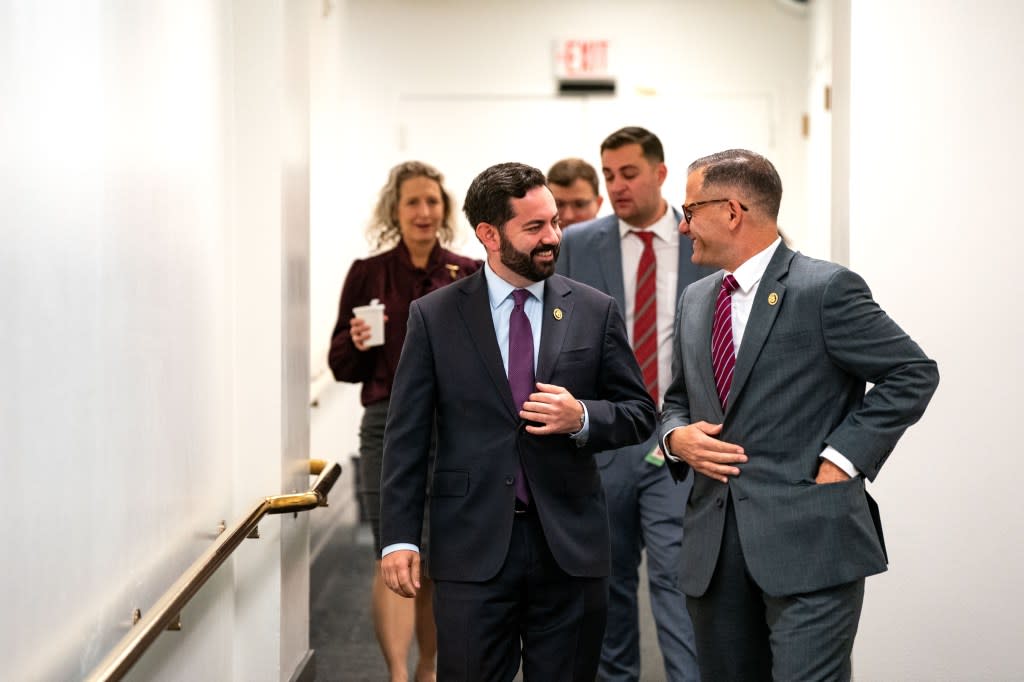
(666, 229)
(752, 270)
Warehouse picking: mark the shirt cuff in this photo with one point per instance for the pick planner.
(583, 434)
(834, 456)
(664, 446)
(397, 546)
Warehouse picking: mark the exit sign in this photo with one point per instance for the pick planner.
(581, 59)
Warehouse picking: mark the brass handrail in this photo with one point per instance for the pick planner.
(167, 609)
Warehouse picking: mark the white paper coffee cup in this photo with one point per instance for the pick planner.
(373, 315)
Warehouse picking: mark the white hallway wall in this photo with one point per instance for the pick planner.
(153, 212)
(935, 228)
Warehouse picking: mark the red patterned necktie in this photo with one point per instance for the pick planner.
(723, 352)
(645, 315)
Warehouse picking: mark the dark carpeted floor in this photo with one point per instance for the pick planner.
(341, 627)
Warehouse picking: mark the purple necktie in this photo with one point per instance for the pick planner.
(520, 370)
(723, 351)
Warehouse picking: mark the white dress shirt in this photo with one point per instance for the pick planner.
(666, 253)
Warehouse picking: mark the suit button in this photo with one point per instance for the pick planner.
(719, 502)
(509, 480)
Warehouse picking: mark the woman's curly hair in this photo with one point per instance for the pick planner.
(383, 230)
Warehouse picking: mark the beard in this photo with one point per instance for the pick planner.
(523, 264)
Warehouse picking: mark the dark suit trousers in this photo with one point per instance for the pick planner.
(745, 634)
(645, 510)
(531, 610)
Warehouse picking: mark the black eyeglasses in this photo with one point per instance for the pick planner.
(688, 208)
(578, 204)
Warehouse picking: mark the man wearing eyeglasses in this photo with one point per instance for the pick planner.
(637, 257)
(573, 182)
(768, 408)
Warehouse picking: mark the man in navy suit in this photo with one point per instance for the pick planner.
(645, 509)
(519, 548)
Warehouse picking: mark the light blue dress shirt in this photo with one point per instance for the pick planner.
(499, 292)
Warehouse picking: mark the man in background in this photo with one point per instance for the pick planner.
(637, 257)
(768, 408)
(574, 184)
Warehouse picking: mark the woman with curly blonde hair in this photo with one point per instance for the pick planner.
(413, 220)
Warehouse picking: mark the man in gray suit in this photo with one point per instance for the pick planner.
(776, 424)
(644, 508)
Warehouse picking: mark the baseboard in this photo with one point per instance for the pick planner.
(306, 670)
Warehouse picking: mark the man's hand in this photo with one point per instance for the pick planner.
(554, 408)
(706, 455)
(401, 572)
(828, 472)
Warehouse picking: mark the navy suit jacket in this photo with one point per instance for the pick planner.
(451, 371)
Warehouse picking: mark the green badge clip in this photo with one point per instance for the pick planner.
(654, 458)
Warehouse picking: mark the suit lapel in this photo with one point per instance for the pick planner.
(701, 320)
(762, 317)
(609, 251)
(475, 308)
(557, 297)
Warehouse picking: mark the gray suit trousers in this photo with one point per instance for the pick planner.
(745, 634)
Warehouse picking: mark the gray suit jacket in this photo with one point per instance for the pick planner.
(814, 338)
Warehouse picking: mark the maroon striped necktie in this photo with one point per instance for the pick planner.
(645, 315)
(723, 352)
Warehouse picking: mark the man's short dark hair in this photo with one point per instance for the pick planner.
(648, 141)
(747, 171)
(488, 199)
(567, 171)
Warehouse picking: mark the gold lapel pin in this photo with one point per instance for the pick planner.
(453, 270)
(773, 298)
(557, 312)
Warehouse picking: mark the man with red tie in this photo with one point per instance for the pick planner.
(637, 257)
